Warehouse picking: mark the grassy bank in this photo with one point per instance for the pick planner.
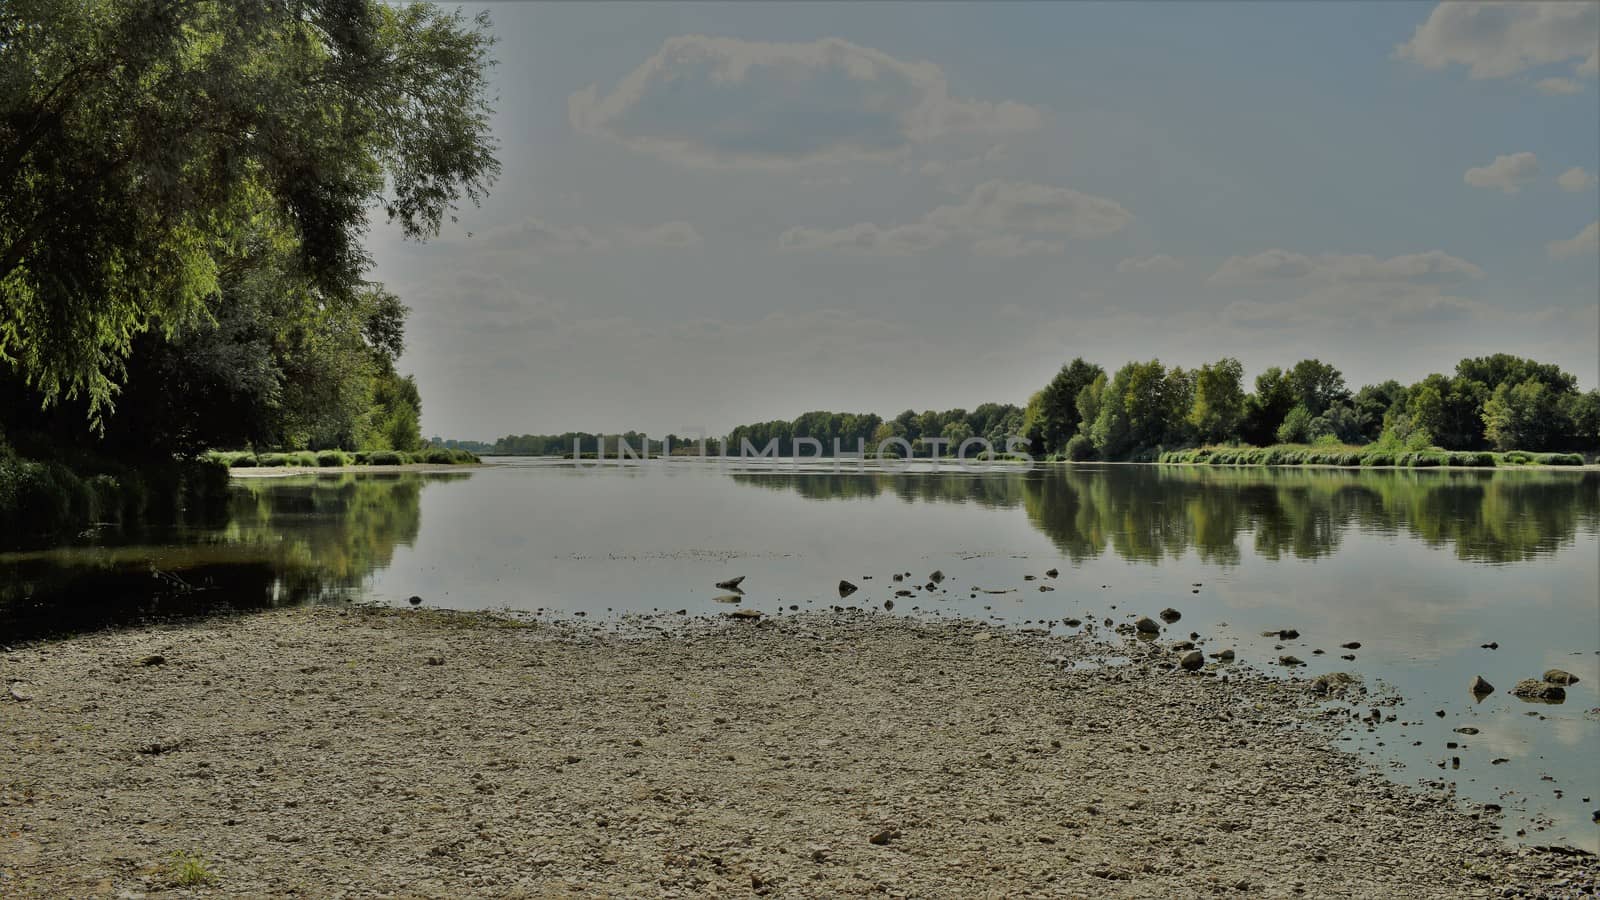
(1363, 457)
(325, 459)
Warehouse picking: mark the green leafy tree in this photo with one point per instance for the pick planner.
(1267, 406)
(1316, 385)
(1526, 416)
(1057, 417)
(1219, 401)
(140, 138)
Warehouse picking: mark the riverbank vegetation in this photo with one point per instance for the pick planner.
(324, 459)
(1307, 415)
(184, 193)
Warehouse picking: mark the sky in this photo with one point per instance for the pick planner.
(711, 214)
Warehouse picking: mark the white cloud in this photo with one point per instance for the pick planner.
(1558, 86)
(722, 101)
(1003, 217)
(1576, 180)
(539, 237)
(677, 234)
(1494, 40)
(1024, 206)
(1430, 267)
(1011, 246)
(866, 238)
(1584, 243)
(1508, 173)
(1158, 263)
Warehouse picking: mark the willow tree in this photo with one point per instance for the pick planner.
(143, 142)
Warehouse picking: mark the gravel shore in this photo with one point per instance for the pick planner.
(339, 752)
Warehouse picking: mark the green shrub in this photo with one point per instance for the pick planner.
(1559, 459)
(329, 458)
(385, 458)
(1078, 448)
(272, 460)
(438, 456)
(243, 461)
(1377, 458)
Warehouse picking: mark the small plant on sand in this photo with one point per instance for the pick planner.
(189, 869)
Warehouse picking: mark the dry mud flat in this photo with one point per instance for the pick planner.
(322, 752)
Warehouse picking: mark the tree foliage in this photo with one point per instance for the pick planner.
(146, 146)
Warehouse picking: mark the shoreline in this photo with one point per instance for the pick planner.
(285, 471)
(434, 753)
(951, 464)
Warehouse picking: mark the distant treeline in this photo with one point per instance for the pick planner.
(992, 421)
(1498, 402)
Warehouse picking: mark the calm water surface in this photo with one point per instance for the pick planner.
(1422, 568)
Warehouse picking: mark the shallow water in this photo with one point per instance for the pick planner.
(1421, 568)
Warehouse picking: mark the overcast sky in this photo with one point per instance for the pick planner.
(713, 214)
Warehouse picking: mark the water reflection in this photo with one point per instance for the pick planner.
(284, 542)
(1147, 514)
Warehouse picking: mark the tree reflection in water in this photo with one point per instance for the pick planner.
(1147, 513)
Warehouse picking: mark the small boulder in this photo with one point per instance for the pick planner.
(1170, 615)
(1534, 689)
(1192, 660)
(1224, 655)
(1333, 683)
(1560, 676)
(732, 584)
(1051, 573)
(414, 600)
(846, 588)
(154, 659)
(1289, 660)
(1480, 686)
(1146, 625)
(884, 836)
(936, 577)
(888, 604)
(745, 614)
(1352, 645)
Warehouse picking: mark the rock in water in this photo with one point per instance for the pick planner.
(1352, 645)
(1225, 655)
(1146, 625)
(1051, 573)
(1534, 689)
(1480, 686)
(415, 600)
(1560, 676)
(1170, 615)
(744, 614)
(728, 598)
(888, 605)
(1288, 660)
(846, 588)
(936, 577)
(732, 584)
(1333, 683)
(1192, 660)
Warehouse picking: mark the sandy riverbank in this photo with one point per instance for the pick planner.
(343, 752)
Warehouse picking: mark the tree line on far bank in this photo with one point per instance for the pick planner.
(1498, 402)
